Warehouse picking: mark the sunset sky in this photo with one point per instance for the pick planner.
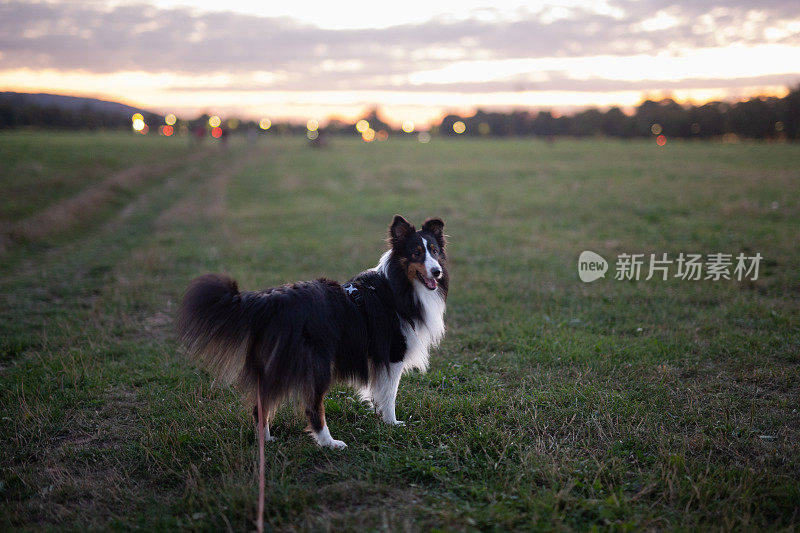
(415, 59)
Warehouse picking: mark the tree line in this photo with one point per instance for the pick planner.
(756, 118)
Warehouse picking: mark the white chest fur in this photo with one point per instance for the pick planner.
(426, 333)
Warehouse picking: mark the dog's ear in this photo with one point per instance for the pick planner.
(435, 226)
(399, 229)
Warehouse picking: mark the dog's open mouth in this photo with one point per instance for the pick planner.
(430, 283)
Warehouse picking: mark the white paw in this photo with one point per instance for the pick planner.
(399, 423)
(269, 439)
(336, 444)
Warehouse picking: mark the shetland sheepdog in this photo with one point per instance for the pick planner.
(292, 342)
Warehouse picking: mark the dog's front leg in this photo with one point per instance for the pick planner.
(385, 392)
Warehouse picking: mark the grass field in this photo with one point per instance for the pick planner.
(552, 404)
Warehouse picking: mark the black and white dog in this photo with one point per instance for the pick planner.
(294, 341)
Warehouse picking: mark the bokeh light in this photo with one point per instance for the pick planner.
(408, 126)
(216, 132)
(214, 121)
(312, 135)
(362, 126)
(265, 124)
(382, 135)
(167, 131)
(424, 137)
(170, 120)
(368, 135)
(233, 123)
(312, 125)
(138, 124)
(137, 116)
(459, 127)
(661, 140)
(656, 129)
(484, 128)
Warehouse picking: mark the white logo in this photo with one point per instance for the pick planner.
(591, 266)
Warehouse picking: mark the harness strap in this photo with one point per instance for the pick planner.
(355, 293)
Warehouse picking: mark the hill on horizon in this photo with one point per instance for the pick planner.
(70, 102)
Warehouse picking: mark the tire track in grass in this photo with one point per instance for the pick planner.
(66, 214)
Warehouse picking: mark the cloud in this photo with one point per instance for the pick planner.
(282, 53)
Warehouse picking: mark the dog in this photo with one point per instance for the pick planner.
(294, 341)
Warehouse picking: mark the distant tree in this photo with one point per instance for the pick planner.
(446, 126)
(375, 120)
(790, 114)
(544, 124)
(587, 123)
(615, 123)
(708, 120)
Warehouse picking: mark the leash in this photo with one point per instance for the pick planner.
(260, 516)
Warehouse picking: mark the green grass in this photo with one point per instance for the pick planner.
(41, 168)
(552, 404)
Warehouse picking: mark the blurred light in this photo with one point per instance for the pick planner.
(265, 124)
(408, 126)
(368, 135)
(167, 130)
(779, 126)
(233, 123)
(382, 135)
(312, 125)
(214, 121)
(459, 127)
(312, 135)
(661, 140)
(484, 128)
(170, 120)
(216, 132)
(362, 126)
(656, 129)
(424, 137)
(138, 124)
(137, 116)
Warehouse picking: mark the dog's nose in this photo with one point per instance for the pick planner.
(436, 272)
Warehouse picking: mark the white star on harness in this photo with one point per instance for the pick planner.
(350, 288)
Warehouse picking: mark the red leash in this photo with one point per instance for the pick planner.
(260, 516)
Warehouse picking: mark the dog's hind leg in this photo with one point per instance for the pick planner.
(268, 414)
(316, 419)
(315, 411)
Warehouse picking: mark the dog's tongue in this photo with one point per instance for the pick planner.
(430, 283)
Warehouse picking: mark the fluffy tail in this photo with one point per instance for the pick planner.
(216, 325)
(216, 329)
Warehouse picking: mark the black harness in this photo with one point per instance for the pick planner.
(355, 293)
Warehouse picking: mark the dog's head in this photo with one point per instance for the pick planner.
(420, 253)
